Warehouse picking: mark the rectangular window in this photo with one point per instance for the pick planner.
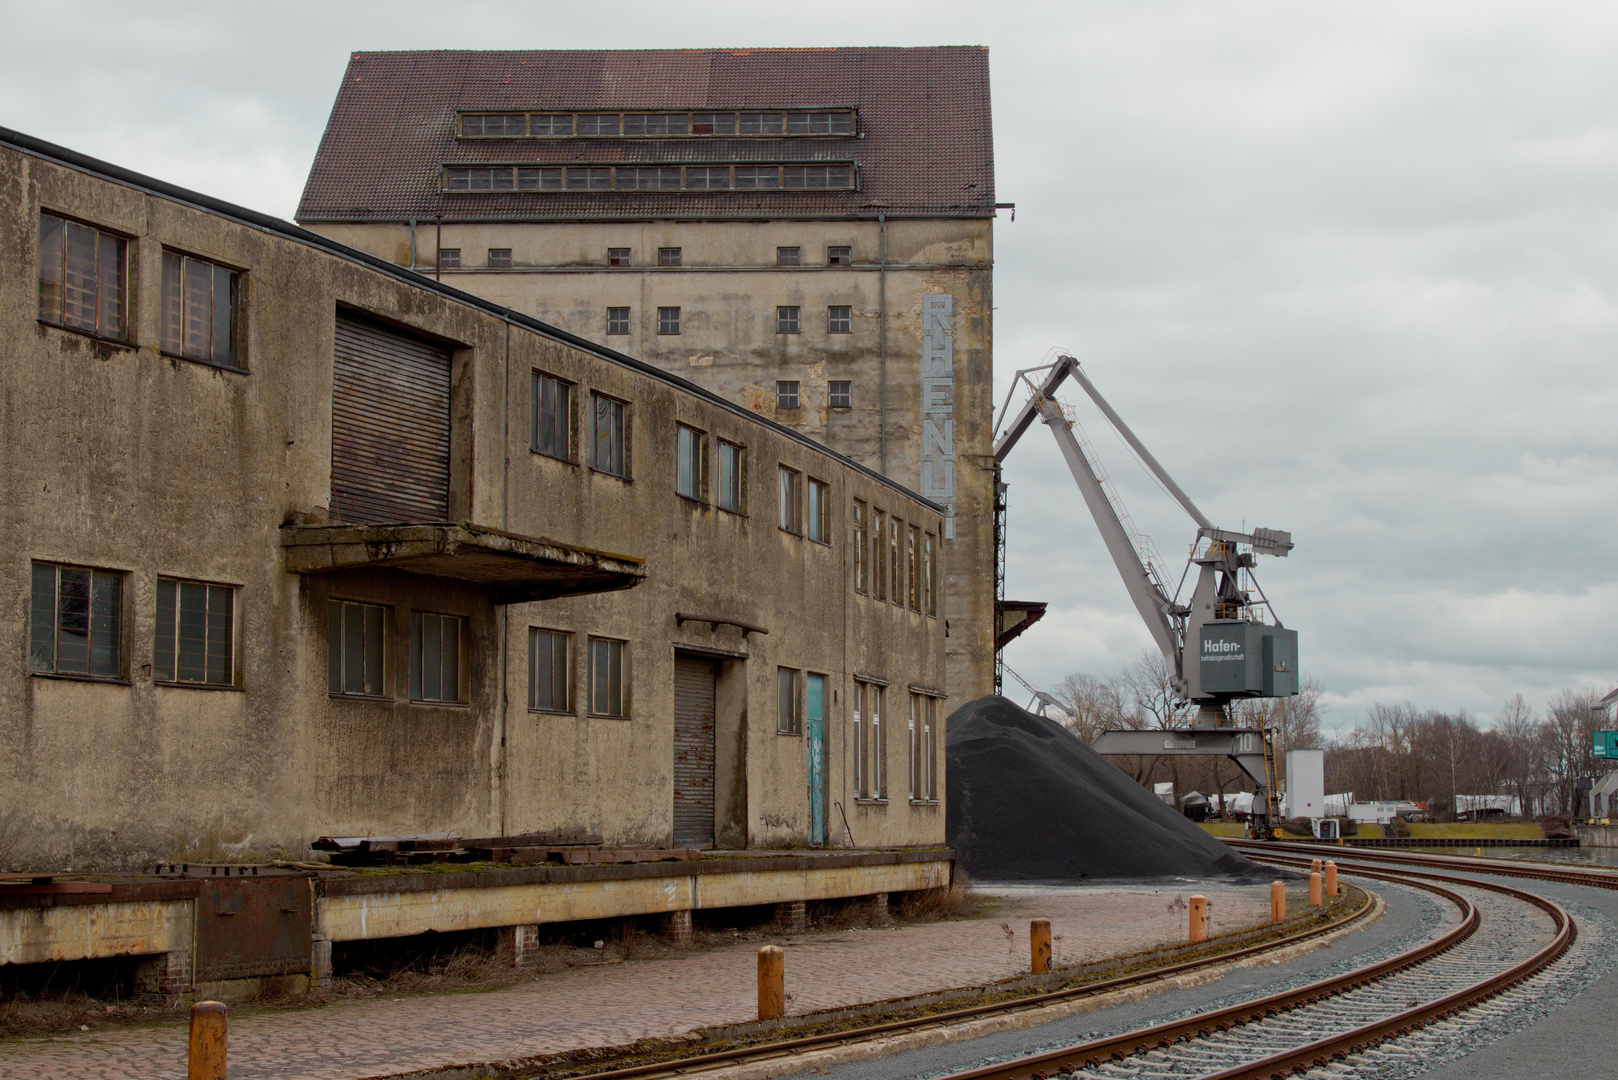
(930, 748)
(688, 458)
(879, 743)
(437, 651)
(356, 643)
(820, 123)
(788, 517)
(878, 584)
(607, 436)
(617, 320)
(857, 740)
(195, 639)
(588, 178)
(819, 512)
(707, 177)
(668, 320)
(929, 575)
(76, 621)
(496, 125)
(839, 319)
(766, 123)
(548, 681)
(607, 696)
(554, 125)
(668, 256)
(816, 176)
(839, 256)
(786, 256)
(648, 178)
(449, 258)
(655, 124)
(839, 394)
(730, 477)
(598, 124)
(480, 178)
(859, 546)
(913, 740)
(713, 123)
(551, 410)
(786, 686)
(199, 310)
(895, 571)
(500, 258)
(617, 256)
(787, 396)
(536, 179)
(758, 176)
(913, 567)
(786, 320)
(81, 277)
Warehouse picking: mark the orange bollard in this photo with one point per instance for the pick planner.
(1314, 888)
(1331, 878)
(1314, 867)
(1278, 901)
(206, 1060)
(1199, 919)
(772, 991)
(1039, 945)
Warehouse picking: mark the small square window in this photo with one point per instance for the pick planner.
(787, 256)
(839, 319)
(688, 457)
(195, 638)
(76, 621)
(839, 256)
(356, 645)
(548, 683)
(449, 258)
(787, 396)
(199, 310)
(552, 417)
(437, 658)
(617, 256)
(668, 256)
(607, 681)
(617, 320)
(500, 258)
(819, 516)
(840, 394)
(730, 477)
(668, 320)
(786, 320)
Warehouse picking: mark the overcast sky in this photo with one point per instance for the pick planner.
(1349, 269)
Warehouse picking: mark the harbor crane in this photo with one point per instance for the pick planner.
(1222, 645)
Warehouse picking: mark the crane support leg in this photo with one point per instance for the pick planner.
(1247, 747)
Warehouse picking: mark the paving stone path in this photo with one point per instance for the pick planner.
(619, 1003)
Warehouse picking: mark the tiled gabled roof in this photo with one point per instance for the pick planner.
(924, 149)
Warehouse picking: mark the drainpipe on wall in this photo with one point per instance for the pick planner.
(882, 336)
(505, 526)
(439, 253)
(412, 245)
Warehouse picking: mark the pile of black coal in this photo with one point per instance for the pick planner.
(1030, 801)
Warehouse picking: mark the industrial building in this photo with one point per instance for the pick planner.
(807, 233)
(303, 543)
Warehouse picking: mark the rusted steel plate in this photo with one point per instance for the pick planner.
(250, 926)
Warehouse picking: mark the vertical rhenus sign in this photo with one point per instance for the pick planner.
(938, 405)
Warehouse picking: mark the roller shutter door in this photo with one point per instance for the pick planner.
(389, 426)
(693, 752)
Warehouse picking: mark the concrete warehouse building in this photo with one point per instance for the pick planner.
(805, 232)
(301, 543)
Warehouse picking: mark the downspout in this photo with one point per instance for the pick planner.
(882, 336)
(505, 525)
(438, 255)
(412, 245)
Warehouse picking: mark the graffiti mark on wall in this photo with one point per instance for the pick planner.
(938, 405)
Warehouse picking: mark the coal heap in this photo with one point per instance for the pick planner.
(1029, 801)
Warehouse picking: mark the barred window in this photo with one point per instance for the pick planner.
(552, 124)
(668, 320)
(617, 321)
(548, 682)
(840, 394)
(495, 125)
(649, 179)
(76, 621)
(356, 649)
(583, 178)
(81, 277)
(763, 123)
(655, 124)
(195, 639)
(500, 258)
(707, 177)
(786, 320)
(199, 310)
(598, 124)
(839, 319)
(815, 176)
(786, 395)
(758, 176)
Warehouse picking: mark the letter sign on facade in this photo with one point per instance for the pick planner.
(938, 405)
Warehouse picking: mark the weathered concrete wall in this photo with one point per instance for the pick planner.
(35, 935)
(728, 287)
(117, 457)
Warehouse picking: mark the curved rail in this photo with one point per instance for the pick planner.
(1535, 871)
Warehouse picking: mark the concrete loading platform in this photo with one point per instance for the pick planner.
(232, 932)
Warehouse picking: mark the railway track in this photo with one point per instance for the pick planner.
(1499, 941)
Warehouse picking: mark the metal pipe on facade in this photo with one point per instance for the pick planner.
(505, 609)
(882, 338)
(438, 253)
(412, 244)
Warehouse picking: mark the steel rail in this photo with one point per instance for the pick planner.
(1534, 871)
(1322, 1052)
(791, 1047)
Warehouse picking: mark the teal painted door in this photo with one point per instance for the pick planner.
(814, 742)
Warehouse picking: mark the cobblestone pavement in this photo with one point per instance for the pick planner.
(614, 1004)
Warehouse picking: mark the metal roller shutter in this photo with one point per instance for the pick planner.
(693, 752)
(389, 426)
